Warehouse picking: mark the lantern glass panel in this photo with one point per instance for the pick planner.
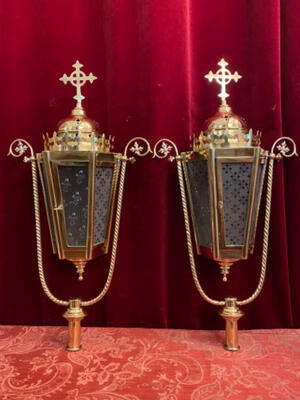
(258, 192)
(236, 179)
(74, 189)
(198, 189)
(47, 197)
(103, 186)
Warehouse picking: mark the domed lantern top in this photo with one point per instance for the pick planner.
(78, 132)
(224, 129)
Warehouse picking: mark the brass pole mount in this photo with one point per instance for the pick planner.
(74, 315)
(231, 313)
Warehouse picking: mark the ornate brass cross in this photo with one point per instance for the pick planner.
(223, 76)
(78, 79)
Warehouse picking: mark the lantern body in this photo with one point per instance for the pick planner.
(79, 176)
(79, 189)
(224, 191)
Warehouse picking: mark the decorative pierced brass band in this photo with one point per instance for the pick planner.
(21, 149)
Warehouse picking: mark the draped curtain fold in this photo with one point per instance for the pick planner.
(150, 58)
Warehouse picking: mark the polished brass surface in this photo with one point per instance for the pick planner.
(18, 148)
(231, 314)
(80, 266)
(225, 129)
(225, 139)
(162, 149)
(223, 77)
(220, 250)
(49, 162)
(77, 132)
(74, 316)
(78, 146)
(78, 78)
(225, 268)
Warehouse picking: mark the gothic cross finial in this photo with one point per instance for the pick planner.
(223, 76)
(78, 79)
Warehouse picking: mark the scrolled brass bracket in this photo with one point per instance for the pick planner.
(280, 148)
(137, 148)
(19, 147)
(163, 148)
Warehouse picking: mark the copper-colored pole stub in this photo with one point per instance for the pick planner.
(231, 313)
(74, 315)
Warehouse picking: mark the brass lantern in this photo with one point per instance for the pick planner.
(80, 176)
(224, 176)
(221, 182)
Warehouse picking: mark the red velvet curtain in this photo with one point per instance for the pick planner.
(150, 58)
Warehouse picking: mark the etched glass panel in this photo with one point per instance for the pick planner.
(42, 167)
(236, 185)
(74, 190)
(258, 193)
(199, 189)
(103, 182)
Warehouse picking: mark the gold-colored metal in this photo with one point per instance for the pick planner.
(231, 313)
(225, 268)
(49, 163)
(74, 316)
(199, 146)
(18, 148)
(225, 139)
(80, 266)
(78, 79)
(78, 132)
(223, 77)
(77, 143)
(231, 337)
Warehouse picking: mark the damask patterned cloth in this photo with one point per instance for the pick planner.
(142, 364)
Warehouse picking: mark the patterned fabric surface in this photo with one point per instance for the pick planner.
(142, 364)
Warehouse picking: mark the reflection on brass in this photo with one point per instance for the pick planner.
(74, 315)
(80, 265)
(223, 77)
(78, 146)
(221, 182)
(78, 157)
(225, 268)
(231, 314)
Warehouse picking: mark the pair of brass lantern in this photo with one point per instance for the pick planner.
(82, 182)
(221, 182)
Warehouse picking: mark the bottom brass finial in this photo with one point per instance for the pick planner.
(74, 315)
(225, 269)
(231, 313)
(80, 265)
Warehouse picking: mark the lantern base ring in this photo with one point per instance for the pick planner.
(231, 313)
(74, 315)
